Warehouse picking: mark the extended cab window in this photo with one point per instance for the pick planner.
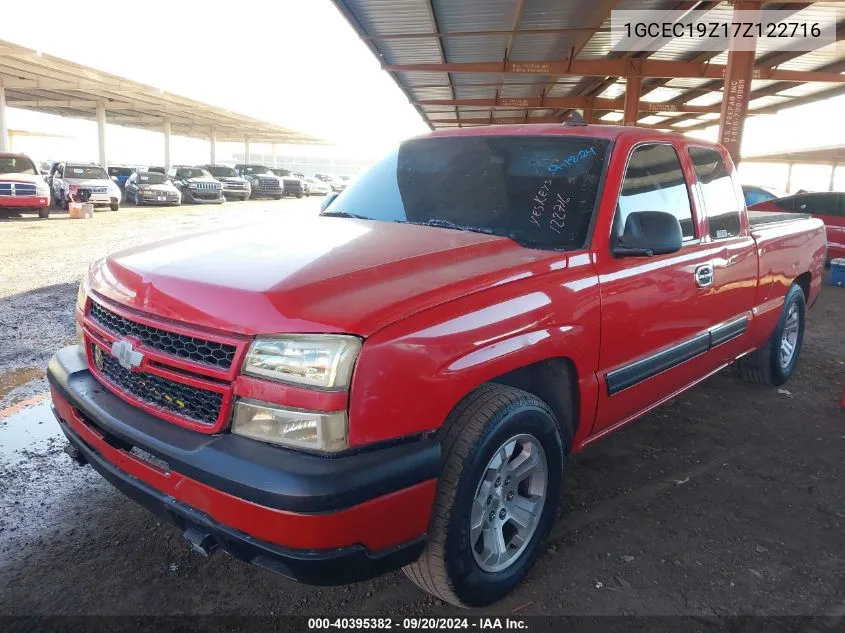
(654, 181)
(719, 191)
(539, 191)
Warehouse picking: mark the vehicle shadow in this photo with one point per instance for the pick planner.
(16, 215)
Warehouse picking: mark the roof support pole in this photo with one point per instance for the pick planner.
(167, 145)
(832, 176)
(213, 143)
(632, 100)
(4, 128)
(589, 115)
(246, 150)
(101, 133)
(274, 155)
(789, 178)
(737, 89)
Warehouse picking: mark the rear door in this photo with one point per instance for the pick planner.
(733, 251)
(655, 322)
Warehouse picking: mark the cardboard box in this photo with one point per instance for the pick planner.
(81, 210)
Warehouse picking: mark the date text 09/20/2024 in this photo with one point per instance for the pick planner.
(422, 624)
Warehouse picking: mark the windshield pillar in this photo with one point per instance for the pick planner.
(4, 130)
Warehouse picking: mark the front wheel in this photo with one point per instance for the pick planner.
(496, 497)
(44, 213)
(279, 197)
(114, 206)
(775, 362)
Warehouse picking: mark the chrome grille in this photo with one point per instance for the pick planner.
(207, 186)
(17, 189)
(268, 183)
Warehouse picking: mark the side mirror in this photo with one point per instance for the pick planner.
(649, 233)
(327, 200)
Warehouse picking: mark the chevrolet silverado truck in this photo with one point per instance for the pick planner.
(234, 186)
(398, 381)
(22, 186)
(264, 183)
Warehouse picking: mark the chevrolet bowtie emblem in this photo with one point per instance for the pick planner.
(125, 354)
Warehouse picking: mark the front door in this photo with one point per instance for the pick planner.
(654, 322)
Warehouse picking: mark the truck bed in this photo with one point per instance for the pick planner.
(760, 218)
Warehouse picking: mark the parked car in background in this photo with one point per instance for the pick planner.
(196, 184)
(22, 186)
(76, 182)
(337, 185)
(399, 381)
(120, 174)
(828, 206)
(292, 185)
(235, 187)
(157, 169)
(317, 187)
(264, 183)
(755, 194)
(149, 187)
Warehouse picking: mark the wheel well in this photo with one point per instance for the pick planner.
(803, 280)
(555, 381)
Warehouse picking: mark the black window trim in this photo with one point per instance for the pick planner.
(696, 239)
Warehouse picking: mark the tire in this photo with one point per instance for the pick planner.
(278, 197)
(44, 213)
(767, 365)
(299, 195)
(485, 421)
(114, 206)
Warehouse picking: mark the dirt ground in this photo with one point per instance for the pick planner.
(727, 501)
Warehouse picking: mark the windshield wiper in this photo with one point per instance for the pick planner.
(446, 224)
(344, 214)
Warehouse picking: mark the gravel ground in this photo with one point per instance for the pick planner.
(728, 500)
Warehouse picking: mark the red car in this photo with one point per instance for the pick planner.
(22, 186)
(828, 206)
(398, 382)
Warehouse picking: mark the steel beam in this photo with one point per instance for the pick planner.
(213, 143)
(4, 128)
(517, 120)
(275, 155)
(246, 149)
(632, 100)
(617, 68)
(737, 90)
(832, 176)
(101, 133)
(167, 145)
(568, 103)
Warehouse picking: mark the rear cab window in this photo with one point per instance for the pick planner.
(654, 181)
(540, 191)
(722, 196)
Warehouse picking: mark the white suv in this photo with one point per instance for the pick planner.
(71, 179)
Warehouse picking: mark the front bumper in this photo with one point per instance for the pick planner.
(197, 196)
(236, 192)
(24, 202)
(314, 519)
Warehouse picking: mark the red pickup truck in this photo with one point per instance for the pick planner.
(397, 382)
(22, 186)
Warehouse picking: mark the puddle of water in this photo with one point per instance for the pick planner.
(11, 380)
(32, 428)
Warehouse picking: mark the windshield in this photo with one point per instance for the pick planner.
(258, 170)
(120, 171)
(540, 191)
(282, 172)
(86, 171)
(151, 178)
(17, 165)
(219, 171)
(192, 172)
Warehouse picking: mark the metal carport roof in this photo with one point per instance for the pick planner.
(35, 81)
(481, 62)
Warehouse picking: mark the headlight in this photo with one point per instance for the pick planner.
(192, 185)
(294, 428)
(315, 360)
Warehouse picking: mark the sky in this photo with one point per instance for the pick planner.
(296, 63)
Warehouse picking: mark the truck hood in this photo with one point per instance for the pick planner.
(90, 182)
(36, 180)
(308, 274)
(200, 179)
